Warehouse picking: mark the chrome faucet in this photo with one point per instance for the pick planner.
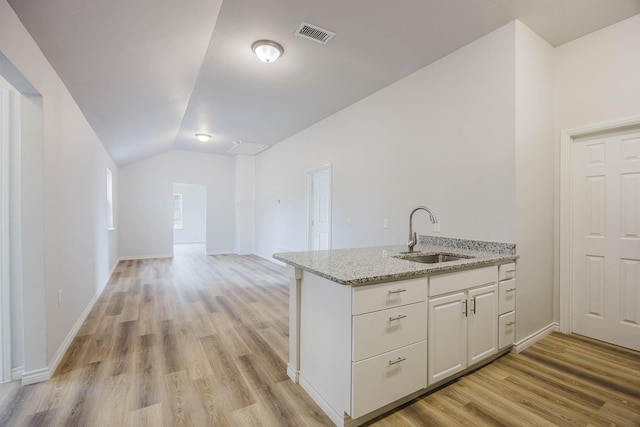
(413, 238)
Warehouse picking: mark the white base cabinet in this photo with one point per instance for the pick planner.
(364, 350)
(463, 330)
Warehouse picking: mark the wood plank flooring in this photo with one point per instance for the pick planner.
(203, 341)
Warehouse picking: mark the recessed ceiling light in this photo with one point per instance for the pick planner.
(267, 50)
(203, 137)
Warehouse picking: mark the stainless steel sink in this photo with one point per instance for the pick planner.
(433, 258)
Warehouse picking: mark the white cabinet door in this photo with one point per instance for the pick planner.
(483, 323)
(447, 336)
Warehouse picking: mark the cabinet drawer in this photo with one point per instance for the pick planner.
(385, 330)
(387, 377)
(507, 296)
(460, 280)
(507, 271)
(386, 295)
(506, 330)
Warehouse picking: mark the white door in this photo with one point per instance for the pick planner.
(447, 336)
(483, 323)
(320, 209)
(606, 238)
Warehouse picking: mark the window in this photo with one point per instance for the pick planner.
(110, 223)
(177, 211)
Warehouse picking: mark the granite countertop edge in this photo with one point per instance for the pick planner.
(366, 266)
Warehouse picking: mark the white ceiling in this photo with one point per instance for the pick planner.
(149, 74)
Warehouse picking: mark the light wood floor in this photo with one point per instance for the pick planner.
(199, 341)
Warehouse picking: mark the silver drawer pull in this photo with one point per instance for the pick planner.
(397, 291)
(398, 360)
(398, 317)
(510, 271)
(510, 290)
(513, 322)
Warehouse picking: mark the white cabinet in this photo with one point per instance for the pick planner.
(389, 345)
(506, 305)
(362, 348)
(463, 326)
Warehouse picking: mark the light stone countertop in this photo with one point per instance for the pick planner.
(365, 266)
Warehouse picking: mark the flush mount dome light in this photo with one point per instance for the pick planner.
(267, 50)
(203, 137)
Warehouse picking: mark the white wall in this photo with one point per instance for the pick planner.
(65, 242)
(146, 202)
(245, 204)
(194, 212)
(534, 182)
(596, 76)
(442, 137)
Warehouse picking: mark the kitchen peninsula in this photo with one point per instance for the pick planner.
(359, 320)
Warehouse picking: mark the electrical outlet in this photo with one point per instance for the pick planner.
(385, 223)
(59, 297)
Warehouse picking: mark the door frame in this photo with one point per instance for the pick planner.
(310, 173)
(567, 138)
(5, 281)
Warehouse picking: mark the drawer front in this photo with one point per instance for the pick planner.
(460, 280)
(385, 330)
(507, 271)
(507, 296)
(386, 295)
(506, 330)
(388, 377)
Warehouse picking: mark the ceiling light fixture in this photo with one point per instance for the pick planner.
(203, 137)
(267, 50)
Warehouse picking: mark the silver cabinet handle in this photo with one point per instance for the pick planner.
(510, 271)
(398, 360)
(473, 309)
(397, 291)
(398, 317)
(513, 322)
(465, 312)
(510, 290)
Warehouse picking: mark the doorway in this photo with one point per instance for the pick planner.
(189, 219)
(604, 239)
(319, 219)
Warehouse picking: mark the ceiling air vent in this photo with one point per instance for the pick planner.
(314, 33)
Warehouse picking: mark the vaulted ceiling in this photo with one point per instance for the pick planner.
(149, 74)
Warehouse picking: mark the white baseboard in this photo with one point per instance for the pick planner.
(17, 373)
(293, 374)
(36, 376)
(337, 418)
(137, 257)
(535, 337)
(57, 358)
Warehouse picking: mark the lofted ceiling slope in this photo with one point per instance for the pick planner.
(149, 74)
